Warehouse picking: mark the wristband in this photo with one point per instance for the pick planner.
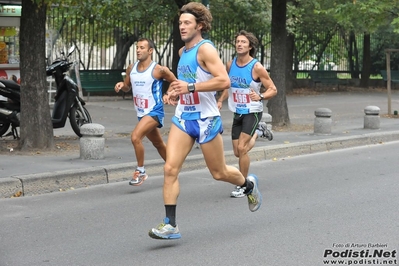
(191, 87)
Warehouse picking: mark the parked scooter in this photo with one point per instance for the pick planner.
(67, 100)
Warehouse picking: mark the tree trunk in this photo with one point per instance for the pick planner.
(353, 56)
(291, 76)
(123, 44)
(277, 106)
(365, 78)
(36, 127)
(356, 51)
(177, 42)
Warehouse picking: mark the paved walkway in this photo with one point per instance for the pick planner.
(41, 173)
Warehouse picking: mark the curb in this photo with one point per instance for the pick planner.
(36, 184)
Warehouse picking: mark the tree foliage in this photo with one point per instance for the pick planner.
(106, 12)
(253, 16)
(363, 15)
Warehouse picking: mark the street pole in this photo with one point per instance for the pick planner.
(205, 3)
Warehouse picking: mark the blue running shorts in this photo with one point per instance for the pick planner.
(202, 130)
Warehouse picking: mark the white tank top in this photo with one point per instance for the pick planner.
(147, 91)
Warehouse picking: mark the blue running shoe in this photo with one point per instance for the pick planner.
(165, 231)
(254, 197)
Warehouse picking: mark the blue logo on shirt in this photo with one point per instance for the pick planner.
(189, 108)
(186, 73)
(239, 81)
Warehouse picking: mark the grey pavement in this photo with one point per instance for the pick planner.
(38, 173)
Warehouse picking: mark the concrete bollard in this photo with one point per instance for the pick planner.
(322, 121)
(92, 142)
(372, 117)
(266, 117)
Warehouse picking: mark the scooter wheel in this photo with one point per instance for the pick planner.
(4, 126)
(77, 119)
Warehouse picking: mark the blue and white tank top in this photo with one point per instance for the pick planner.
(197, 105)
(147, 91)
(242, 82)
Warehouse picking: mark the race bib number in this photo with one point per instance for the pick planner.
(141, 102)
(241, 97)
(189, 99)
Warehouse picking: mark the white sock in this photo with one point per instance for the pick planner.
(141, 168)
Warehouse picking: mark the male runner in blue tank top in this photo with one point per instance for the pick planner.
(145, 78)
(247, 76)
(197, 117)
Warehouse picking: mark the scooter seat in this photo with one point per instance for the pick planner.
(10, 84)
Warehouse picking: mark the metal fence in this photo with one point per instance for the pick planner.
(97, 49)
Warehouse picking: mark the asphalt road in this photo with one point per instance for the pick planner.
(325, 203)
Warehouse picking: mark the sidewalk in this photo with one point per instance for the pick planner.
(62, 170)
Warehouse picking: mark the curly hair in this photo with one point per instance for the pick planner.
(200, 12)
(253, 41)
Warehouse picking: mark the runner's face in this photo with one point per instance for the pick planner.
(143, 51)
(242, 45)
(188, 27)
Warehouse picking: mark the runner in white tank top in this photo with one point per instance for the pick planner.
(145, 78)
(147, 92)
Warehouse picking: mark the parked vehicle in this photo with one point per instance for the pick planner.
(67, 100)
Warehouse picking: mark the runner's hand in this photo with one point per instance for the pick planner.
(119, 86)
(253, 95)
(170, 98)
(180, 87)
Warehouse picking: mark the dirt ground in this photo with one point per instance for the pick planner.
(9, 145)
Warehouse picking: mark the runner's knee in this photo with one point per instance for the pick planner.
(242, 150)
(136, 138)
(170, 170)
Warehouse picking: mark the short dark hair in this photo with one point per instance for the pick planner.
(149, 41)
(253, 41)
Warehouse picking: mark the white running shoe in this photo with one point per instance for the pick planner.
(165, 231)
(138, 178)
(266, 133)
(254, 197)
(238, 192)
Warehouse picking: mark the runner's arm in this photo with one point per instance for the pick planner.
(267, 82)
(209, 59)
(125, 85)
(162, 72)
(225, 93)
